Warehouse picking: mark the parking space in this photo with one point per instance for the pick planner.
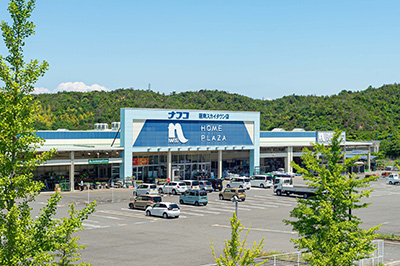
(147, 240)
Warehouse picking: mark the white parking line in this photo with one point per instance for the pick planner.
(229, 208)
(253, 206)
(221, 209)
(91, 221)
(199, 209)
(107, 217)
(193, 213)
(268, 204)
(288, 200)
(265, 205)
(85, 224)
(132, 210)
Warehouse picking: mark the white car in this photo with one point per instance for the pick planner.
(164, 209)
(145, 189)
(173, 188)
(240, 182)
(192, 184)
(262, 181)
(393, 179)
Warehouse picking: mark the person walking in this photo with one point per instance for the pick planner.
(81, 185)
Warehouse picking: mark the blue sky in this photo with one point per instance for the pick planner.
(261, 49)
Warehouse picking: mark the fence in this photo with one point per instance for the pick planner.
(295, 258)
(376, 258)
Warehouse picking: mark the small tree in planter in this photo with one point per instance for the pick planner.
(235, 252)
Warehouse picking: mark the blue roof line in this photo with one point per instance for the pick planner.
(288, 134)
(78, 134)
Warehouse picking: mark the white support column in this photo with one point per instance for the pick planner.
(126, 166)
(369, 158)
(72, 172)
(169, 159)
(289, 159)
(219, 164)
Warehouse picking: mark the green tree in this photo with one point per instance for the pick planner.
(24, 240)
(328, 230)
(235, 252)
(391, 145)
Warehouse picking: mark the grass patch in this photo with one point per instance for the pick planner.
(270, 253)
(392, 237)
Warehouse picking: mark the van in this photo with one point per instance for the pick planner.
(262, 181)
(240, 182)
(192, 196)
(192, 184)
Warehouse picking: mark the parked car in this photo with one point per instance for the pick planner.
(229, 193)
(194, 196)
(173, 188)
(216, 183)
(145, 189)
(144, 201)
(240, 182)
(206, 185)
(192, 184)
(393, 179)
(262, 181)
(164, 209)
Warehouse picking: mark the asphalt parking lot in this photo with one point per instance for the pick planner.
(117, 235)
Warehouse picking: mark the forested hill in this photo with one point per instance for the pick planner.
(368, 114)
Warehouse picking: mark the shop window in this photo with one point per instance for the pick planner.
(162, 159)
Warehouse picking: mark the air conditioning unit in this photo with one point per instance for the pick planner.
(115, 125)
(101, 126)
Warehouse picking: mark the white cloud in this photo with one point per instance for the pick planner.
(79, 86)
(40, 90)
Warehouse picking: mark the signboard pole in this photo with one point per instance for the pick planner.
(112, 191)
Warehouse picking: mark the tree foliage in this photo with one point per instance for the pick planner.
(24, 240)
(365, 115)
(329, 232)
(235, 252)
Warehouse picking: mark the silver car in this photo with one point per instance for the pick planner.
(240, 182)
(262, 181)
(206, 185)
(145, 189)
(172, 188)
(164, 209)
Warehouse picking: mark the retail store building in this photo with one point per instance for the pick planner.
(153, 144)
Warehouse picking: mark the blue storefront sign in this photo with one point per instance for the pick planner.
(162, 133)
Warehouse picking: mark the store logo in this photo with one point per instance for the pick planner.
(175, 134)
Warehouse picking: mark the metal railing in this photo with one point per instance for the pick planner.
(295, 258)
(376, 257)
